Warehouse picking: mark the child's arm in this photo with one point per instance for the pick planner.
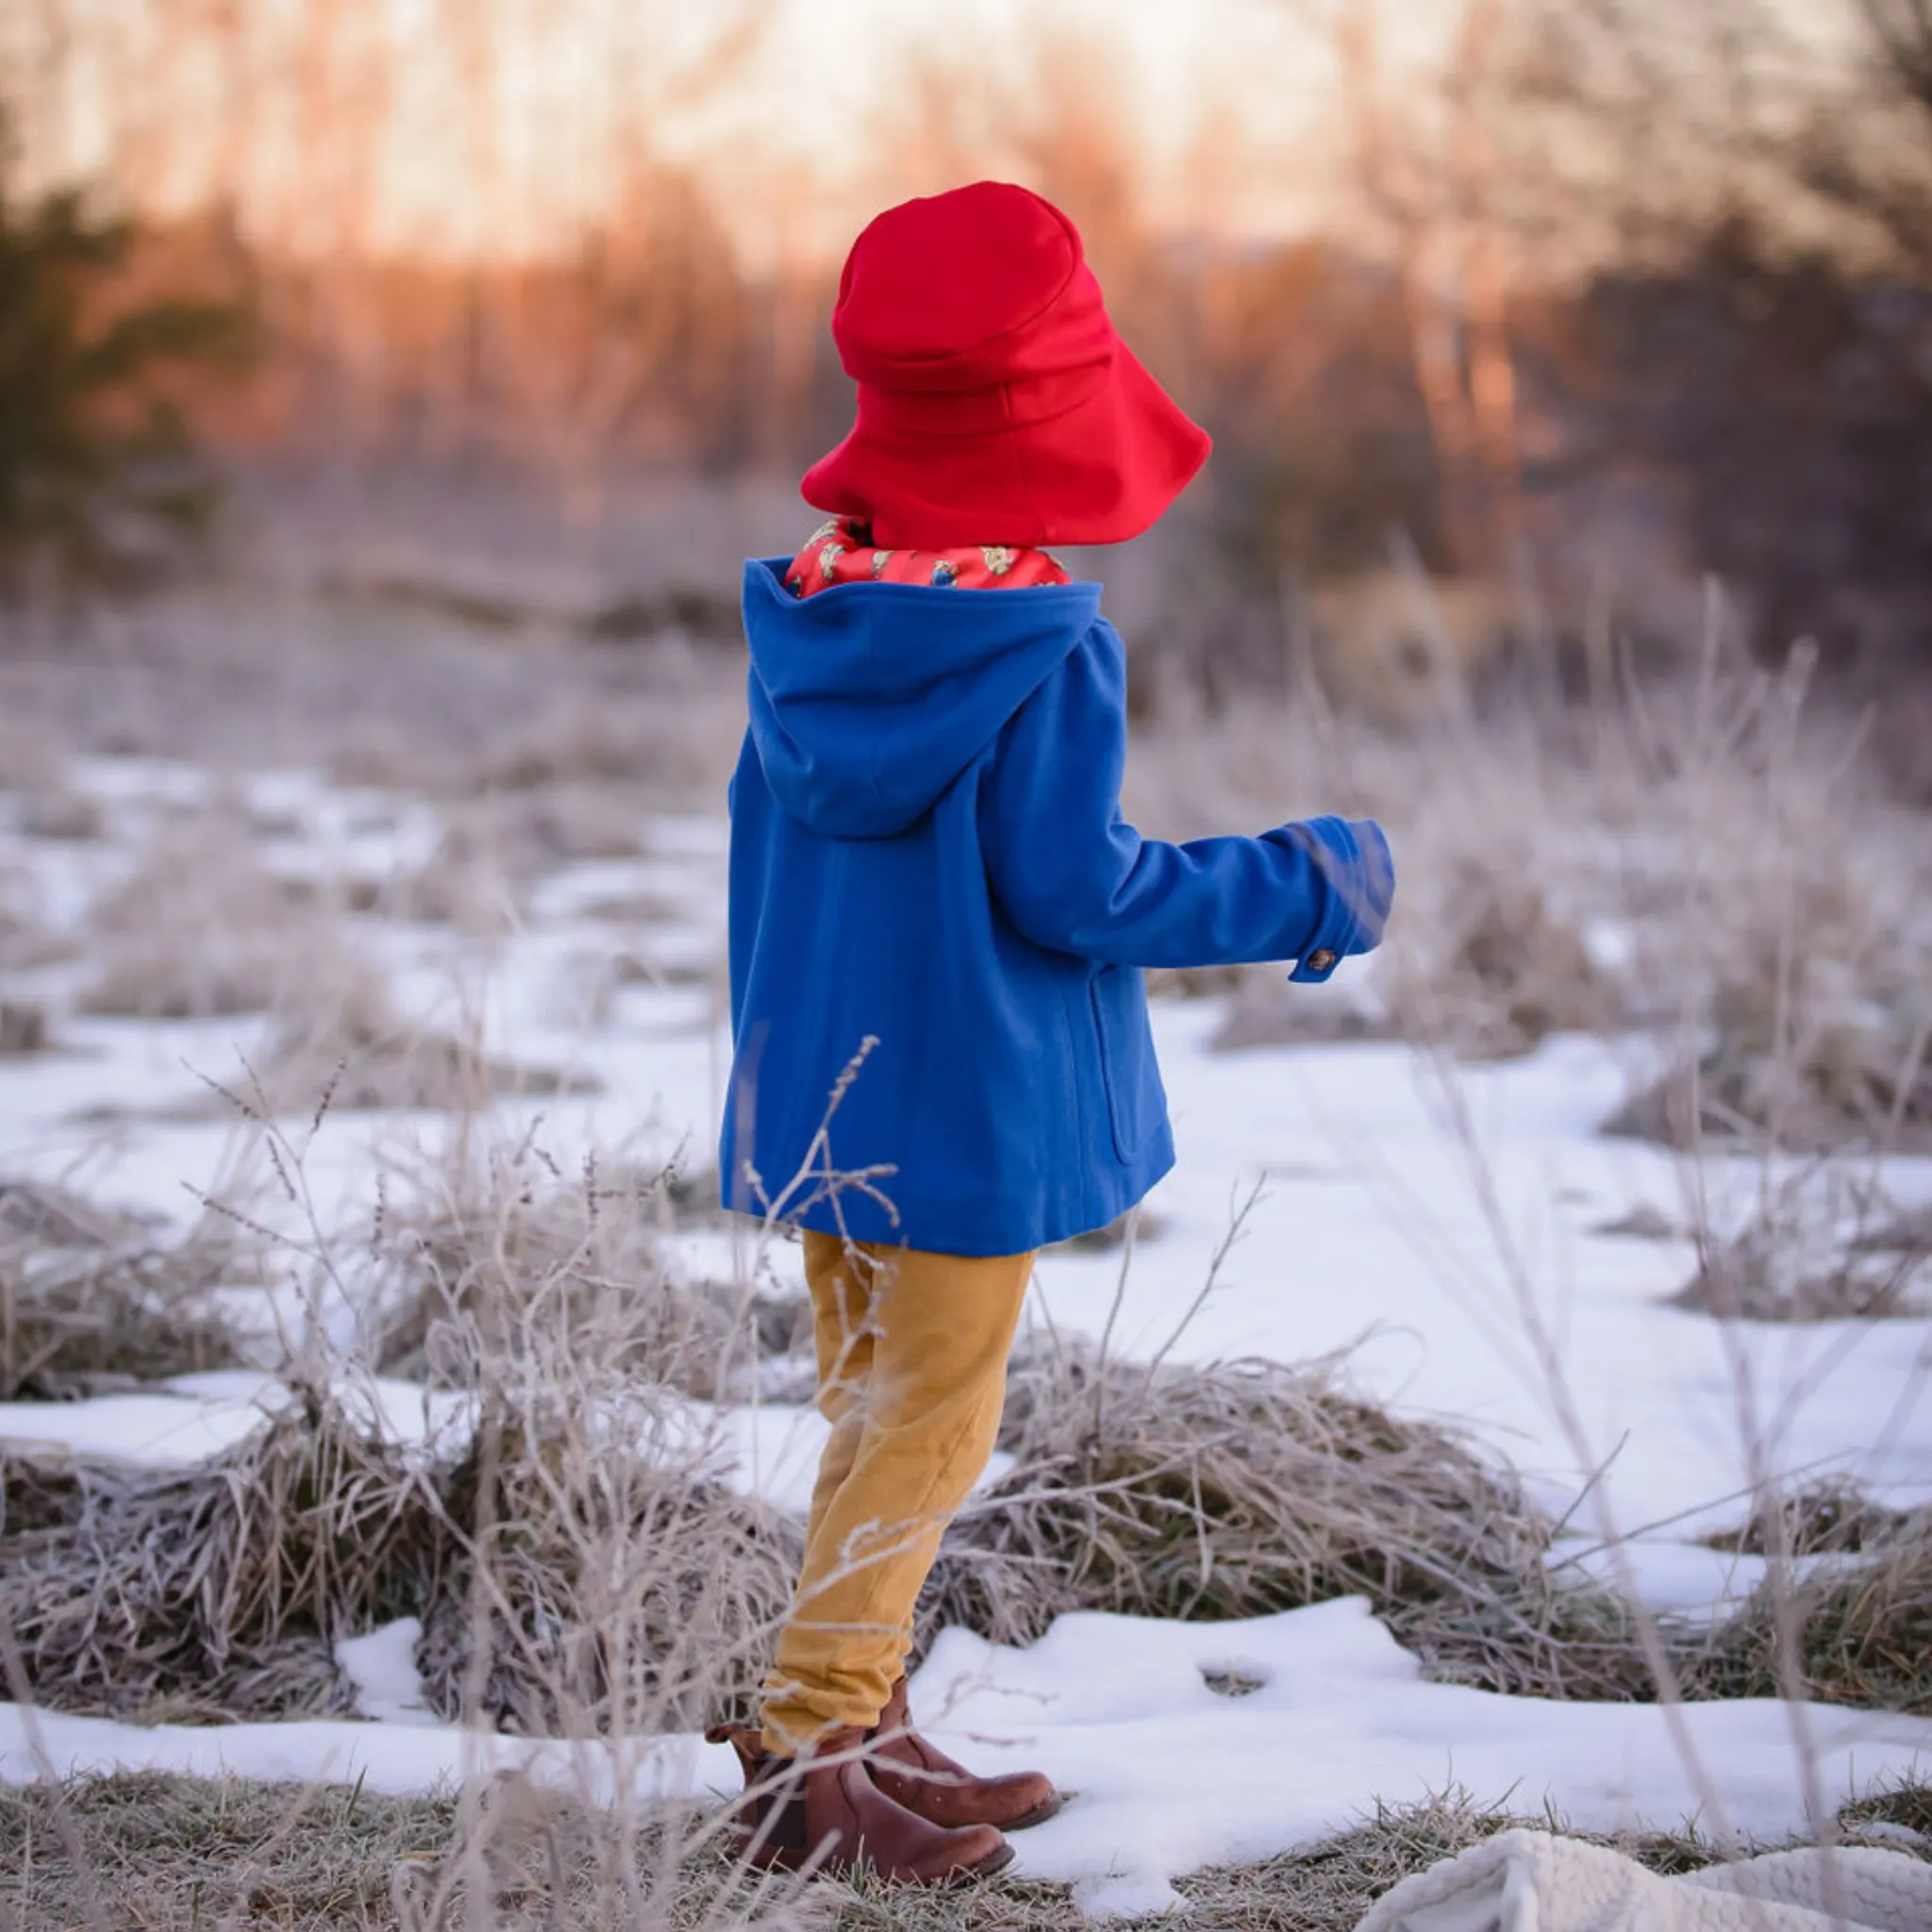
(1071, 874)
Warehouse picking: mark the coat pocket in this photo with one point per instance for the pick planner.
(1119, 994)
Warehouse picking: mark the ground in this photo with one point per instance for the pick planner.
(344, 1011)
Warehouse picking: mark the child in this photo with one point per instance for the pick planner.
(931, 876)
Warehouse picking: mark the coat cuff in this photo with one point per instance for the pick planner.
(1354, 858)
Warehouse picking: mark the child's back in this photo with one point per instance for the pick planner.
(927, 853)
(928, 859)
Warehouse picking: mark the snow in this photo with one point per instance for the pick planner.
(1368, 1231)
(1371, 1226)
(1165, 1775)
(1693, 1580)
(1173, 1776)
(772, 1449)
(185, 1420)
(381, 1666)
(1449, 1230)
(768, 1449)
(393, 1756)
(153, 1431)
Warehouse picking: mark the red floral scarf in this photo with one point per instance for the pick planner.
(841, 552)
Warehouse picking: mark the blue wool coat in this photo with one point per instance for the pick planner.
(929, 867)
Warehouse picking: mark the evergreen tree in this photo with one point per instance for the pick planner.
(98, 462)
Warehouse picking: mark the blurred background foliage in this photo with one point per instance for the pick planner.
(98, 467)
(1521, 324)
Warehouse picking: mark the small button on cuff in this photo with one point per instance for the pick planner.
(1320, 960)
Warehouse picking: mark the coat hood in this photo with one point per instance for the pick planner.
(868, 699)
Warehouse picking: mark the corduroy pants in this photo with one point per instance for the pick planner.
(912, 1371)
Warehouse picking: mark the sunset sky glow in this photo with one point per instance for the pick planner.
(444, 127)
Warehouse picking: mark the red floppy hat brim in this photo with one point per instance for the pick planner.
(1101, 472)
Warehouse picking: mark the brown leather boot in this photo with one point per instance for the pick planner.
(826, 1812)
(908, 1770)
(768, 1821)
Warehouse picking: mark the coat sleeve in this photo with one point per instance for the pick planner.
(1071, 874)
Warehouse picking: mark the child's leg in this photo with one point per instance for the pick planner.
(841, 1279)
(942, 1326)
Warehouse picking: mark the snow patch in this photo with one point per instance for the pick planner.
(1164, 1776)
(382, 1668)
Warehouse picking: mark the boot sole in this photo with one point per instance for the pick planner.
(1038, 1815)
(988, 1867)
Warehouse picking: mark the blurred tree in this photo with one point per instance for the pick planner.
(634, 341)
(1324, 442)
(1430, 183)
(1866, 150)
(1818, 122)
(98, 465)
(1795, 396)
(1757, 319)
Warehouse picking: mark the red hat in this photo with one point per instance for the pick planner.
(996, 404)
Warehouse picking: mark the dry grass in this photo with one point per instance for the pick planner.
(500, 1249)
(1766, 1275)
(582, 1567)
(1264, 1009)
(1483, 964)
(582, 1563)
(1700, 860)
(611, 1587)
(1857, 1631)
(1819, 1245)
(347, 1039)
(493, 847)
(219, 1591)
(1909, 1233)
(25, 1029)
(1325, 1888)
(563, 818)
(36, 1493)
(335, 1032)
(57, 812)
(32, 758)
(25, 941)
(644, 741)
(611, 1581)
(580, 1570)
(1905, 1804)
(178, 1854)
(661, 737)
(37, 1213)
(575, 1558)
(1819, 1065)
(18, 931)
(577, 1569)
(1825, 1519)
(465, 882)
(175, 1854)
(201, 928)
(1503, 970)
(91, 1300)
(1241, 1490)
(1789, 938)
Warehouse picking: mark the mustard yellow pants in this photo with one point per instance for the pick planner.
(912, 1373)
